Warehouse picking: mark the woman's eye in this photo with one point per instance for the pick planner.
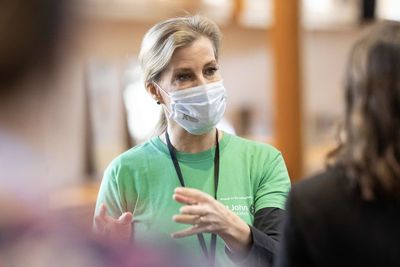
(210, 71)
(183, 77)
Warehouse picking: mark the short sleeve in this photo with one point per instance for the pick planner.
(109, 194)
(274, 184)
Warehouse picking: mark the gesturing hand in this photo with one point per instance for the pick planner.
(207, 215)
(118, 230)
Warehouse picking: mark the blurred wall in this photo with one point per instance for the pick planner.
(246, 65)
(324, 59)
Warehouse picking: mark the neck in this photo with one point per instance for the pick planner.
(186, 142)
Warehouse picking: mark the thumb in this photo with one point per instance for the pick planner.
(103, 211)
(125, 218)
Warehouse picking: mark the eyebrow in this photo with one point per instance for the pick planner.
(177, 70)
(212, 62)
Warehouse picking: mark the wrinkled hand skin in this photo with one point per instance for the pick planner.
(204, 214)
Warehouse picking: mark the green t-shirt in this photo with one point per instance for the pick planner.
(142, 180)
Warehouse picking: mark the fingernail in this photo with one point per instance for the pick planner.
(178, 189)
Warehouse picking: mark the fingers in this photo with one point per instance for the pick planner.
(103, 211)
(105, 223)
(196, 196)
(117, 230)
(187, 219)
(199, 211)
(194, 210)
(193, 230)
(125, 218)
(183, 199)
(101, 219)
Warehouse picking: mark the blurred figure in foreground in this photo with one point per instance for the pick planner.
(30, 41)
(31, 34)
(30, 44)
(349, 214)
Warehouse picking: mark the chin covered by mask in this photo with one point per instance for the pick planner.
(198, 109)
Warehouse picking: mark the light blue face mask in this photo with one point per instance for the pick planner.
(198, 109)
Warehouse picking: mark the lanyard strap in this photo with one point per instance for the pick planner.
(213, 242)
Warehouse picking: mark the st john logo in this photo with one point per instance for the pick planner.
(252, 209)
(189, 118)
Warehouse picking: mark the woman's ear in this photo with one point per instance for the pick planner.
(154, 92)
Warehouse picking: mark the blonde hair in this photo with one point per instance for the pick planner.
(160, 42)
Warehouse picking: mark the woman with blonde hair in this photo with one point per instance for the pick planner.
(217, 195)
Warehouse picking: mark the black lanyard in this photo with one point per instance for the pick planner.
(213, 242)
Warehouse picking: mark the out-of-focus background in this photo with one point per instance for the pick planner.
(282, 61)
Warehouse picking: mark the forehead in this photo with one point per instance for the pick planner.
(199, 52)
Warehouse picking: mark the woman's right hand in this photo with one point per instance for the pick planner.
(118, 230)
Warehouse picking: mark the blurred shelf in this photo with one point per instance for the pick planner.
(78, 196)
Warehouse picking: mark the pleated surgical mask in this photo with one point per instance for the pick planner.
(198, 109)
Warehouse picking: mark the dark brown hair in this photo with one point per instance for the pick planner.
(369, 151)
(28, 33)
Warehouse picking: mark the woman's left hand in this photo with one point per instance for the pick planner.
(207, 215)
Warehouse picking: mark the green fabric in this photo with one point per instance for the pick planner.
(142, 180)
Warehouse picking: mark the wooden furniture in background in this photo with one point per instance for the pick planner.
(288, 98)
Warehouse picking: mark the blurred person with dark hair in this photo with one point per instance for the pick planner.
(349, 215)
(31, 33)
(30, 38)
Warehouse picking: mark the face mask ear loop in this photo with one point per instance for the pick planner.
(159, 87)
(166, 108)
